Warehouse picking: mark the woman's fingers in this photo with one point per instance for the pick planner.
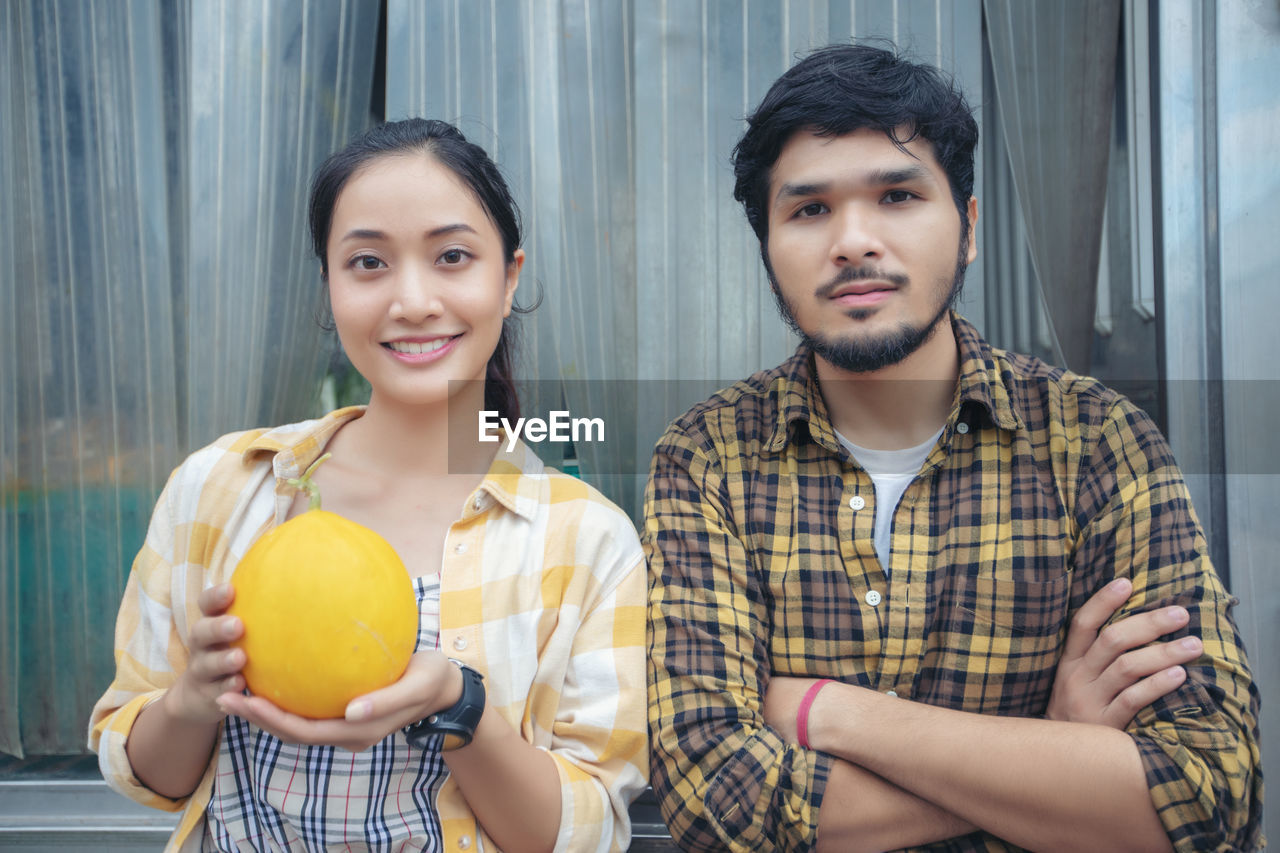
(429, 684)
(216, 599)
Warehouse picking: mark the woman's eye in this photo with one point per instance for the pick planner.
(453, 256)
(367, 262)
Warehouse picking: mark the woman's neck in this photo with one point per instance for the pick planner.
(397, 440)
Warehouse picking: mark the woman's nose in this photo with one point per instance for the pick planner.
(416, 296)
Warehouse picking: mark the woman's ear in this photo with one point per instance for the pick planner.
(512, 281)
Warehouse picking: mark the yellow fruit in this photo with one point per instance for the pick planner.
(329, 612)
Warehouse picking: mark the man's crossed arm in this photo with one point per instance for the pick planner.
(911, 773)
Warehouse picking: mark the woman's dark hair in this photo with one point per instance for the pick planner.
(469, 162)
(845, 87)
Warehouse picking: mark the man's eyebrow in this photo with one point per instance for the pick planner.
(787, 191)
(876, 178)
(907, 174)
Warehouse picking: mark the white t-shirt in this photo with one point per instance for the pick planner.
(891, 472)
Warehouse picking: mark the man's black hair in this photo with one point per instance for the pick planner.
(845, 87)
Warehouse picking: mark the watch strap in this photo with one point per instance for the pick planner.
(458, 722)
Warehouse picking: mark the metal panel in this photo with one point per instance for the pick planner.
(1248, 194)
(87, 423)
(155, 286)
(615, 129)
(1191, 332)
(274, 88)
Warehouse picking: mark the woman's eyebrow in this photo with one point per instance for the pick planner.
(449, 229)
(374, 234)
(364, 234)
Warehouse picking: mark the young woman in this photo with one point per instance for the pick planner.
(523, 575)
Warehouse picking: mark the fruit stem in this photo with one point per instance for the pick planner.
(304, 482)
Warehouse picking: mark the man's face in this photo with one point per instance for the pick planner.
(865, 245)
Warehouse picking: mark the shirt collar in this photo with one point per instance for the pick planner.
(981, 385)
(514, 478)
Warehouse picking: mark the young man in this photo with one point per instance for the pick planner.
(939, 527)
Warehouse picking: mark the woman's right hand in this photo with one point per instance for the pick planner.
(213, 667)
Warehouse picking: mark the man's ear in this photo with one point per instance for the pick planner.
(972, 215)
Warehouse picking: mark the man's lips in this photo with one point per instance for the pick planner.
(863, 288)
(854, 285)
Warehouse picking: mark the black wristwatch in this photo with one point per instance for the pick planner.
(457, 723)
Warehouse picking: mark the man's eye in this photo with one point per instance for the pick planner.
(816, 208)
(898, 196)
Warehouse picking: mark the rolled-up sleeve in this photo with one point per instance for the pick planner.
(1199, 743)
(149, 657)
(724, 779)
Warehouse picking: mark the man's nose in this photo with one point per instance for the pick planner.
(856, 237)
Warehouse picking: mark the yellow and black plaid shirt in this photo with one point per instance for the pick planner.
(1043, 487)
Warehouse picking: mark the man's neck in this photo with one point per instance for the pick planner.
(898, 406)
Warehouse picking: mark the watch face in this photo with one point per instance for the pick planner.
(454, 740)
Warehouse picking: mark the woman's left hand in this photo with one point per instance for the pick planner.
(429, 684)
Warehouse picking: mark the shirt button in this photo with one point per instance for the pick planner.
(464, 842)
(460, 548)
(857, 502)
(478, 503)
(873, 597)
(459, 643)
(962, 427)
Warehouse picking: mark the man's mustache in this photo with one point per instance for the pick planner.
(849, 274)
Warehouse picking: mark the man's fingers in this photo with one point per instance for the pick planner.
(1141, 694)
(1134, 632)
(1093, 615)
(1136, 665)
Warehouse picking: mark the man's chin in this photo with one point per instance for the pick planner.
(873, 351)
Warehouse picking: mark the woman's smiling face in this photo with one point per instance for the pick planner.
(418, 278)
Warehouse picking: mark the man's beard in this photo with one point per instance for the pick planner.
(865, 354)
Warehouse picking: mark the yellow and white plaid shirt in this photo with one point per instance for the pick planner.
(542, 591)
(1044, 487)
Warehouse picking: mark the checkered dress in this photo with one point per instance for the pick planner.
(269, 795)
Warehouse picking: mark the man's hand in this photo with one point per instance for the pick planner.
(1106, 677)
(430, 684)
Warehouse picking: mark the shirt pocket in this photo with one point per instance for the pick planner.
(1001, 643)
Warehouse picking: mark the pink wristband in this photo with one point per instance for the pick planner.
(802, 713)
